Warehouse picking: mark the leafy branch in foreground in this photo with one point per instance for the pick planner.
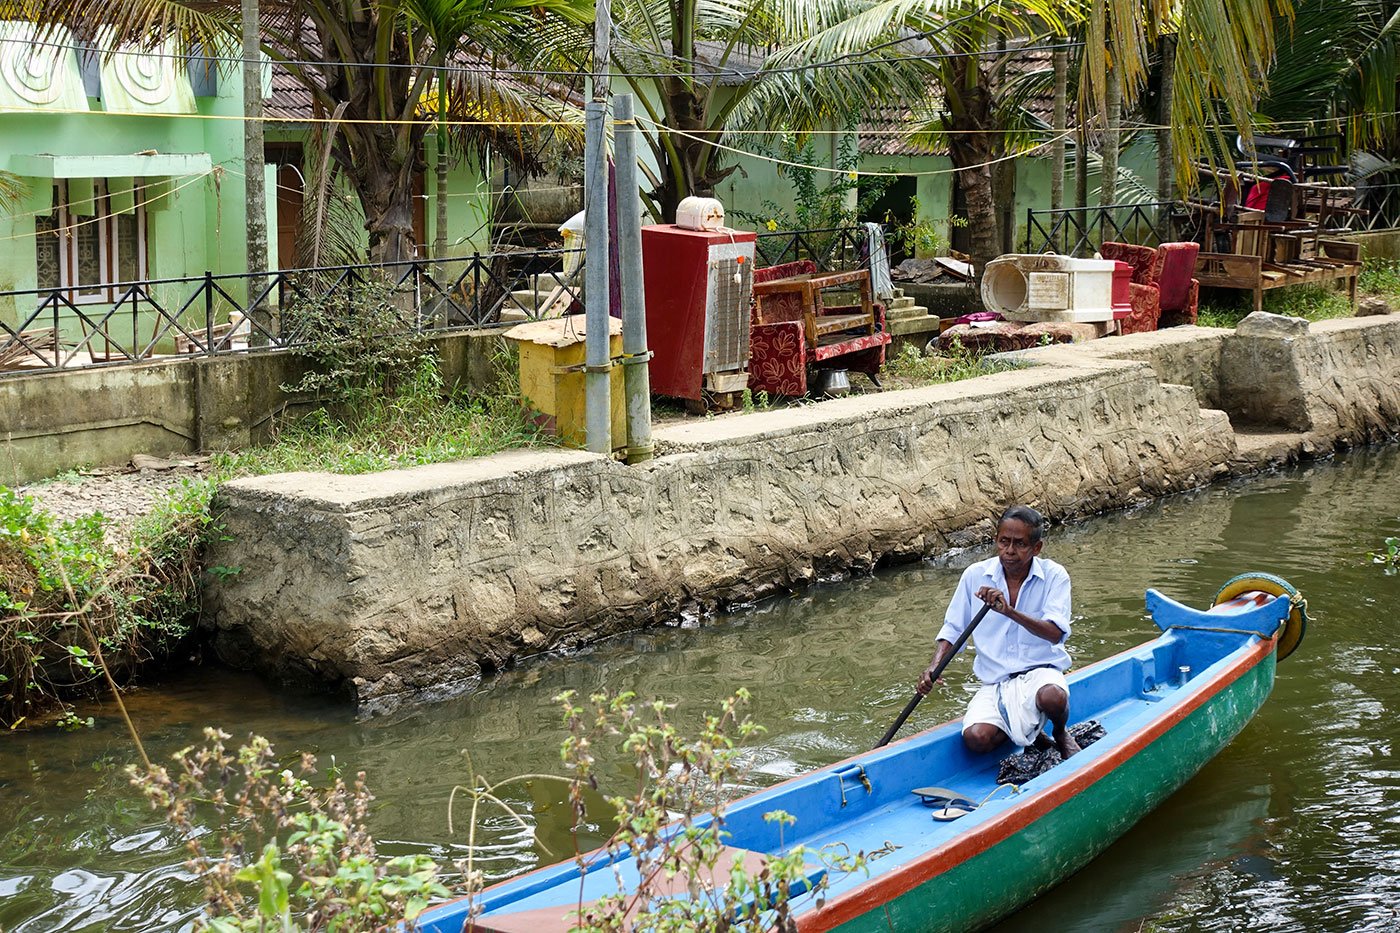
(274, 850)
(671, 828)
(283, 853)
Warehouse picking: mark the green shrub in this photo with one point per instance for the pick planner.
(285, 853)
(275, 850)
(68, 596)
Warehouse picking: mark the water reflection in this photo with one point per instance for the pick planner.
(1292, 827)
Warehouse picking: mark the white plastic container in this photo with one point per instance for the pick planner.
(572, 231)
(700, 214)
(1049, 288)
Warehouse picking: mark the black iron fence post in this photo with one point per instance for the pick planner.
(208, 313)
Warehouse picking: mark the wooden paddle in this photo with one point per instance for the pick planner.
(957, 646)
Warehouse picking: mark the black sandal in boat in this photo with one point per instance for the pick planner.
(949, 805)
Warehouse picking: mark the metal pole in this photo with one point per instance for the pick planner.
(634, 315)
(597, 385)
(598, 402)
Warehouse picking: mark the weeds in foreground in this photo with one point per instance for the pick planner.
(912, 367)
(273, 849)
(672, 825)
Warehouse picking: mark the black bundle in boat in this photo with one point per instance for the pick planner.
(1033, 762)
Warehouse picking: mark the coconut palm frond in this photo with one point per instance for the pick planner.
(1222, 48)
(331, 226)
(143, 23)
(1340, 65)
(12, 191)
(1130, 188)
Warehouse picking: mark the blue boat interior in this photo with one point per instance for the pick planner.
(866, 804)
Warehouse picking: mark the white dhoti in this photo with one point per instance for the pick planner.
(1010, 705)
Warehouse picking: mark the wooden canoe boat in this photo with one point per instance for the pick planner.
(1169, 706)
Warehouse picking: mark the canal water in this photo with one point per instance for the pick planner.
(1295, 826)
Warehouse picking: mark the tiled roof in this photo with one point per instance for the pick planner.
(885, 129)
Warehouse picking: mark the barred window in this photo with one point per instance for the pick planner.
(84, 248)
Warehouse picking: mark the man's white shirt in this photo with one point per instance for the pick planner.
(1004, 648)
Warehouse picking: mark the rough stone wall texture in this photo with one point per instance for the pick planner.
(1337, 382)
(421, 579)
(1188, 356)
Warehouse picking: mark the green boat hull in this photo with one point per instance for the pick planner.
(1006, 876)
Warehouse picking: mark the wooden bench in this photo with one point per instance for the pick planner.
(1338, 260)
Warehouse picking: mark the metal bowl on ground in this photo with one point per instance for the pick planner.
(831, 383)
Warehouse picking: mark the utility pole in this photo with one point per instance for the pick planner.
(597, 357)
(255, 191)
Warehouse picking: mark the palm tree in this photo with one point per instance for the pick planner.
(379, 59)
(1339, 65)
(699, 68)
(12, 191)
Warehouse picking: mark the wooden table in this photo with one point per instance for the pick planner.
(808, 288)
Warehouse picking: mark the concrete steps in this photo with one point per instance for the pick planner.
(908, 322)
(524, 303)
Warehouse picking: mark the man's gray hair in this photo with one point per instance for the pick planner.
(1024, 513)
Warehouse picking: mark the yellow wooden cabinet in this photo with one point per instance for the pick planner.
(552, 376)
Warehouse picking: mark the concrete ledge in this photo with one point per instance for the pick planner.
(51, 422)
(407, 581)
(420, 580)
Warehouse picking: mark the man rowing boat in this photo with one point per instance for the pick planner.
(1021, 657)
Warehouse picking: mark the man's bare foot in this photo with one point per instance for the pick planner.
(1067, 745)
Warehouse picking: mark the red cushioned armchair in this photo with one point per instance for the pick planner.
(1143, 296)
(1180, 292)
(1163, 293)
(783, 352)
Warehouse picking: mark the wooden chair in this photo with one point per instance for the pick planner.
(792, 330)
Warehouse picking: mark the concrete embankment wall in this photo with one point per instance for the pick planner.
(422, 579)
(51, 422)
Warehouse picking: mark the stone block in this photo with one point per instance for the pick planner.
(1264, 324)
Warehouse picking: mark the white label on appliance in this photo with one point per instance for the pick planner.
(1048, 291)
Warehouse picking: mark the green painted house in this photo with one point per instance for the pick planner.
(130, 167)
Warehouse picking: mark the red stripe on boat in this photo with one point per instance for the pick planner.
(887, 887)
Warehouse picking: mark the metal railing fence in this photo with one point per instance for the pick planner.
(1080, 231)
(211, 314)
(58, 328)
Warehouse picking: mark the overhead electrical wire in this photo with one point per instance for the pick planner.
(837, 62)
